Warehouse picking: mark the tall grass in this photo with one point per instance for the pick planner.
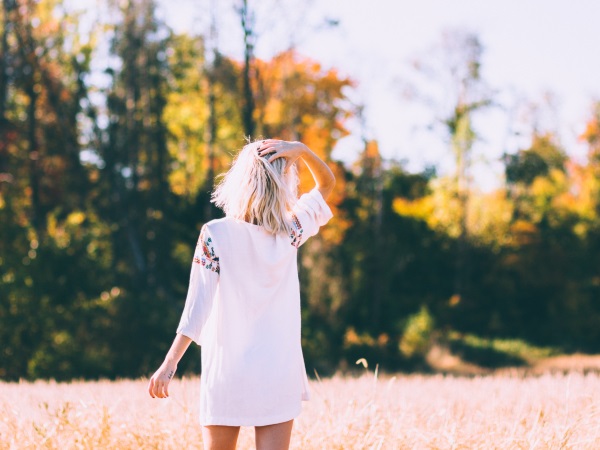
(509, 411)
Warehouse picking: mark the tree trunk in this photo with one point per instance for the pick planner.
(4, 62)
(27, 71)
(462, 143)
(37, 215)
(213, 60)
(248, 95)
(4, 165)
(211, 138)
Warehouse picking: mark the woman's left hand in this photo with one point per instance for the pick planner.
(290, 150)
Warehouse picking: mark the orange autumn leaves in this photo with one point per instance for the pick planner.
(297, 99)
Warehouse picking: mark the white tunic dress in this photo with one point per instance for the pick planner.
(243, 308)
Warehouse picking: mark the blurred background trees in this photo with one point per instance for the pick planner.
(110, 140)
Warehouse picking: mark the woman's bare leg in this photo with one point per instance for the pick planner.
(219, 437)
(274, 437)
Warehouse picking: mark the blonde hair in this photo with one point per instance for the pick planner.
(256, 191)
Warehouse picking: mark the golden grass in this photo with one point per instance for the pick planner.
(508, 411)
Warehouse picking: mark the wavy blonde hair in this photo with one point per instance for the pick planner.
(257, 191)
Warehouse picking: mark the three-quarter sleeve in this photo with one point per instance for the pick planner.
(309, 214)
(204, 278)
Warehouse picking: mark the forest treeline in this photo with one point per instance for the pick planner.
(110, 141)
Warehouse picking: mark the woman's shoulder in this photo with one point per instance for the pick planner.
(217, 222)
(230, 223)
(217, 225)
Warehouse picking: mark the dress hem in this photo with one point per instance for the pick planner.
(250, 422)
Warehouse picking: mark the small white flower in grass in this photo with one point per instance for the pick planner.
(364, 362)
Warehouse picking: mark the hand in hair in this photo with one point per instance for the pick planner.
(291, 151)
(273, 149)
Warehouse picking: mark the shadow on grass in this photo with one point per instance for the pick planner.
(485, 356)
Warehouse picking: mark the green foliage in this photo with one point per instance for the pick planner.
(104, 187)
(537, 161)
(496, 352)
(417, 334)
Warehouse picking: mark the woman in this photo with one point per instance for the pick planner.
(243, 302)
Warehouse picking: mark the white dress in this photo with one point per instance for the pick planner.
(243, 308)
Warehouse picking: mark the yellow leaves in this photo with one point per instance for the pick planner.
(77, 227)
(57, 231)
(273, 112)
(61, 337)
(549, 186)
(488, 214)
(334, 232)
(185, 116)
(439, 209)
(351, 337)
(421, 208)
(584, 191)
(559, 197)
(416, 338)
(592, 131)
(580, 229)
(178, 183)
(489, 217)
(553, 198)
(75, 218)
(185, 113)
(523, 233)
(354, 339)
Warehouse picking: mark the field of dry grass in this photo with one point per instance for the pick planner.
(502, 411)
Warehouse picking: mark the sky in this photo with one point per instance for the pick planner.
(539, 51)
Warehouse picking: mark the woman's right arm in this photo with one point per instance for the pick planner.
(159, 383)
(320, 171)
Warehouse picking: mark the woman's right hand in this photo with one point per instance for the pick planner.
(159, 383)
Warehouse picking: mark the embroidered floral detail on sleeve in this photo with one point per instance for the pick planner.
(296, 232)
(208, 258)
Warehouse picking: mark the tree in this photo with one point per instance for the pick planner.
(43, 200)
(247, 22)
(450, 82)
(135, 195)
(522, 169)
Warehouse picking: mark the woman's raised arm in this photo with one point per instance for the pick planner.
(291, 151)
